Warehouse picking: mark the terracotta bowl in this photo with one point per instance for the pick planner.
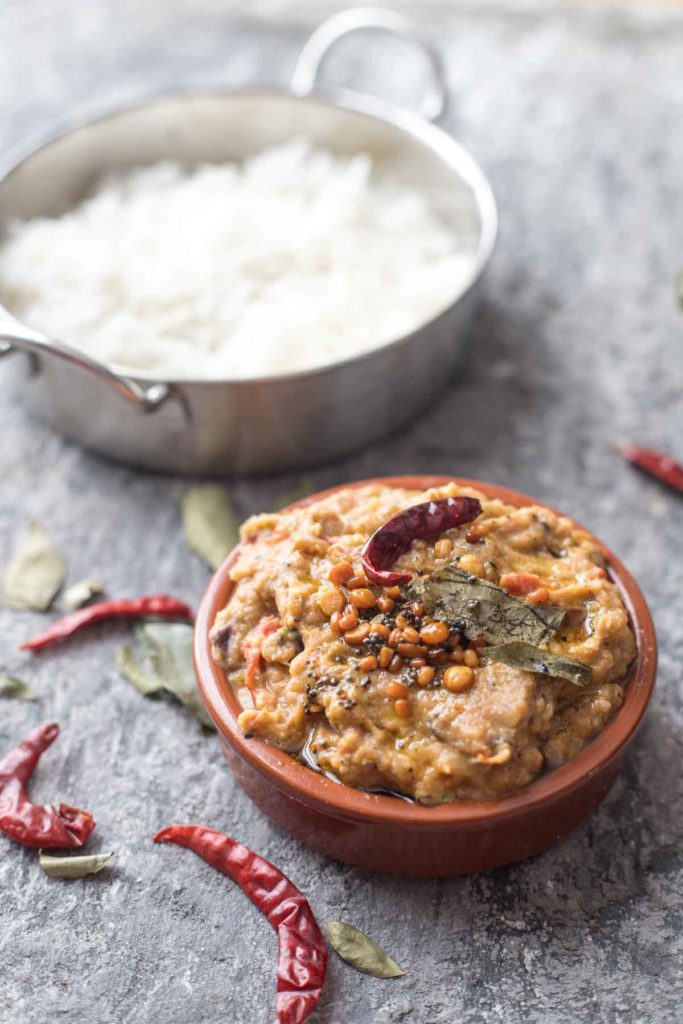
(388, 834)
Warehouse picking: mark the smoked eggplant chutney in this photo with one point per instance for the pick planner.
(438, 644)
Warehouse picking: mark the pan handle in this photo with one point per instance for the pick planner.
(147, 399)
(319, 43)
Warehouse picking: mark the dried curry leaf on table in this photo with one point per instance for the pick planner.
(485, 609)
(79, 594)
(12, 686)
(211, 525)
(296, 493)
(168, 646)
(533, 659)
(35, 573)
(166, 665)
(135, 673)
(74, 867)
(358, 949)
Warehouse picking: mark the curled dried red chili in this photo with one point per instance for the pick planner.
(418, 522)
(302, 953)
(657, 464)
(158, 606)
(62, 827)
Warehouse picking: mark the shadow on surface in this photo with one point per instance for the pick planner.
(492, 403)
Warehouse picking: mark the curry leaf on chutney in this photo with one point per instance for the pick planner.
(484, 609)
(533, 659)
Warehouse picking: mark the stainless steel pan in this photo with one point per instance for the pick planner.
(265, 424)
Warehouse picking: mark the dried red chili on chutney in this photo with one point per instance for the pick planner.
(418, 522)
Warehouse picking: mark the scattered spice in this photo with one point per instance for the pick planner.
(63, 827)
(302, 954)
(211, 525)
(533, 659)
(158, 606)
(79, 594)
(358, 949)
(657, 464)
(12, 686)
(35, 573)
(167, 648)
(485, 609)
(74, 867)
(418, 522)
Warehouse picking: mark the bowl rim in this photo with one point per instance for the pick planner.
(339, 800)
(432, 137)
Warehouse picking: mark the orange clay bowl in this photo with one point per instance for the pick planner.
(389, 834)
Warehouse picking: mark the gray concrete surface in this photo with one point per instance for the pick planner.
(575, 112)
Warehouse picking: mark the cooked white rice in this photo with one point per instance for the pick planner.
(291, 260)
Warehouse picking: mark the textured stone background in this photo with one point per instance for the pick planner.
(575, 112)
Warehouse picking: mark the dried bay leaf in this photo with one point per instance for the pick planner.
(296, 493)
(12, 686)
(79, 594)
(484, 609)
(135, 673)
(168, 645)
(211, 526)
(358, 949)
(73, 867)
(35, 573)
(533, 659)
(167, 649)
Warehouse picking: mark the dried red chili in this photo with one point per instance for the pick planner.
(395, 536)
(251, 650)
(159, 606)
(62, 827)
(302, 953)
(657, 464)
